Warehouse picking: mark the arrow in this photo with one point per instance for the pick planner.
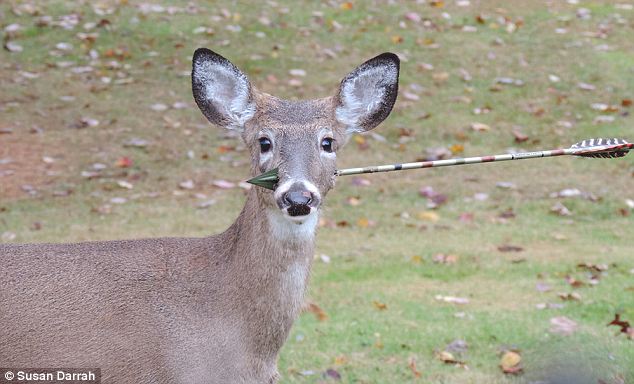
(604, 148)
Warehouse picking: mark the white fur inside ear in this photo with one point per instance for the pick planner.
(228, 90)
(362, 95)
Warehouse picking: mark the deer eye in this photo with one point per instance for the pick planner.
(326, 144)
(265, 144)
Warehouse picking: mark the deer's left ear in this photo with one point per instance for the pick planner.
(368, 93)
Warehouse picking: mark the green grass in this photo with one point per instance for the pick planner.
(392, 261)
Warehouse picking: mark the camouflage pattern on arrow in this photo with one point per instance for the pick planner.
(605, 148)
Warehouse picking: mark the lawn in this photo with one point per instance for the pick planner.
(100, 139)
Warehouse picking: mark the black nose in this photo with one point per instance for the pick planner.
(298, 197)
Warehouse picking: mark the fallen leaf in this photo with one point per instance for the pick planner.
(364, 222)
(452, 299)
(562, 325)
(346, 6)
(519, 136)
(416, 259)
(624, 326)
(353, 201)
(136, 142)
(13, 47)
(123, 162)
(509, 248)
(223, 184)
(379, 305)
(441, 258)
(569, 296)
(560, 209)
(316, 310)
(332, 374)
(428, 216)
(187, 184)
(411, 363)
(510, 363)
(480, 127)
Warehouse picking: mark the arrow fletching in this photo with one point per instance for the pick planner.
(606, 148)
(266, 180)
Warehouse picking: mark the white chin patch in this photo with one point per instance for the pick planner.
(298, 228)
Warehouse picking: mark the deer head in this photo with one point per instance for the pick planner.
(300, 138)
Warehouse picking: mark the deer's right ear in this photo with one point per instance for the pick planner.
(223, 93)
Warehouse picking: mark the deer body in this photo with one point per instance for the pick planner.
(196, 310)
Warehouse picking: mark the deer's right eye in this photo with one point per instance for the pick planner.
(265, 145)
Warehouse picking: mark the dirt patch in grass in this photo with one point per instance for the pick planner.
(28, 163)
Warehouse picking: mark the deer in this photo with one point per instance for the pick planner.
(214, 309)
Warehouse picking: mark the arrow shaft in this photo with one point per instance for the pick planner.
(451, 162)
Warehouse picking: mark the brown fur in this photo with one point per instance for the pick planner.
(176, 310)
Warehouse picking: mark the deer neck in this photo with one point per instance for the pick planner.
(268, 271)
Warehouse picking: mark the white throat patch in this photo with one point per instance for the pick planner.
(285, 229)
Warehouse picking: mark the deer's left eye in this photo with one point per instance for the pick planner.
(326, 144)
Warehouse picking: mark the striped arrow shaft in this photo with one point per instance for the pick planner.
(586, 148)
(606, 148)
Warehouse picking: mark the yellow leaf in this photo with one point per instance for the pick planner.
(456, 148)
(428, 216)
(417, 259)
(446, 357)
(437, 3)
(397, 39)
(341, 360)
(363, 222)
(346, 6)
(510, 362)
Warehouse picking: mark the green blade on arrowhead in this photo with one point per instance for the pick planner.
(266, 180)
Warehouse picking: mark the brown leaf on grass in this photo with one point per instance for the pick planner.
(316, 310)
(519, 136)
(593, 267)
(507, 214)
(624, 326)
(574, 282)
(448, 358)
(509, 248)
(411, 363)
(560, 209)
(511, 363)
(569, 296)
(626, 102)
(379, 305)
